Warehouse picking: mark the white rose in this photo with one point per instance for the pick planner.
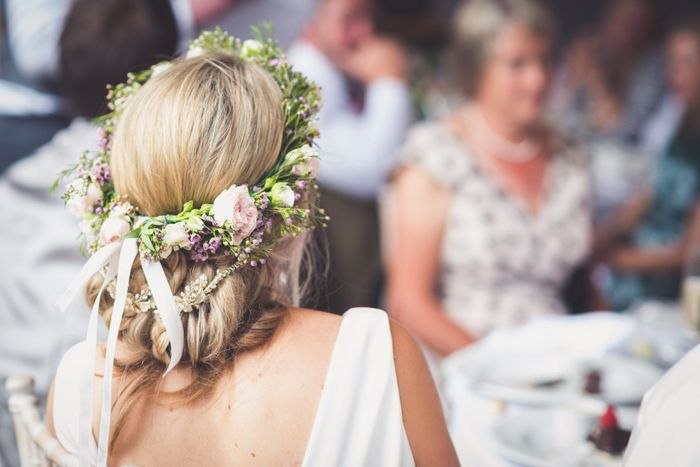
(113, 229)
(195, 52)
(250, 47)
(282, 194)
(176, 236)
(236, 206)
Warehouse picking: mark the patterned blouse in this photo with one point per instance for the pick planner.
(500, 262)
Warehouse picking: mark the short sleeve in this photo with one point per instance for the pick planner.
(434, 149)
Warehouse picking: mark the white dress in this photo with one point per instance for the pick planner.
(668, 425)
(358, 422)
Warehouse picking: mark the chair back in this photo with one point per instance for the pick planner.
(36, 446)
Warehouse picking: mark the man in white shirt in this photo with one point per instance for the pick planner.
(365, 113)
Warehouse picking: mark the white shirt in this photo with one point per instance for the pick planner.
(358, 149)
(34, 28)
(668, 425)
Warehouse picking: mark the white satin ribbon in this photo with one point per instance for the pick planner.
(86, 383)
(93, 265)
(119, 256)
(167, 308)
(126, 261)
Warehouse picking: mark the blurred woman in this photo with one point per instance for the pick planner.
(613, 75)
(493, 207)
(647, 243)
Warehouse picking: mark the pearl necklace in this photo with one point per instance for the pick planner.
(487, 139)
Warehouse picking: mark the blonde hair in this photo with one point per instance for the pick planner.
(478, 23)
(204, 124)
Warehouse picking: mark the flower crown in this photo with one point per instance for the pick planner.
(243, 222)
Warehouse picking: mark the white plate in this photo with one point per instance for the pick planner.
(528, 378)
(551, 437)
(548, 378)
(624, 380)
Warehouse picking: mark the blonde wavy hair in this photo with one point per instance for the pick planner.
(191, 132)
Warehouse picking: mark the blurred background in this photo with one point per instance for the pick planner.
(516, 181)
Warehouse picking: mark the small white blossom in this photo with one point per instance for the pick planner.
(160, 68)
(195, 52)
(82, 203)
(250, 47)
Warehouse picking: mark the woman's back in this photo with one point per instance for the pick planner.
(197, 209)
(323, 391)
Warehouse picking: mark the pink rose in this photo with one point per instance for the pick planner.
(236, 206)
(113, 229)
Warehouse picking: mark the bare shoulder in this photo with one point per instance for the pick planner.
(311, 331)
(407, 353)
(313, 320)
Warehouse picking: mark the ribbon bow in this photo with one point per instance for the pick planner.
(118, 258)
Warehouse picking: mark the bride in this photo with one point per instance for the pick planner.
(195, 210)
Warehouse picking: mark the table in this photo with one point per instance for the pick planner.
(652, 331)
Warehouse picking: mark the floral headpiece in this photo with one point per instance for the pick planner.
(244, 222)
(241, 220)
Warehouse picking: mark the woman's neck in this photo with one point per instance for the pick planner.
(499, 137)
(508, 129)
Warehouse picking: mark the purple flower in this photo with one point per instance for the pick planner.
(212, 245)
(198, 256)
(195, 240)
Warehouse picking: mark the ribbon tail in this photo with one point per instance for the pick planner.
(126, 261)
(91, 267)
(87, 381)
(167, 309)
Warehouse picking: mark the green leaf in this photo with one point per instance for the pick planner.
(146, 240)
